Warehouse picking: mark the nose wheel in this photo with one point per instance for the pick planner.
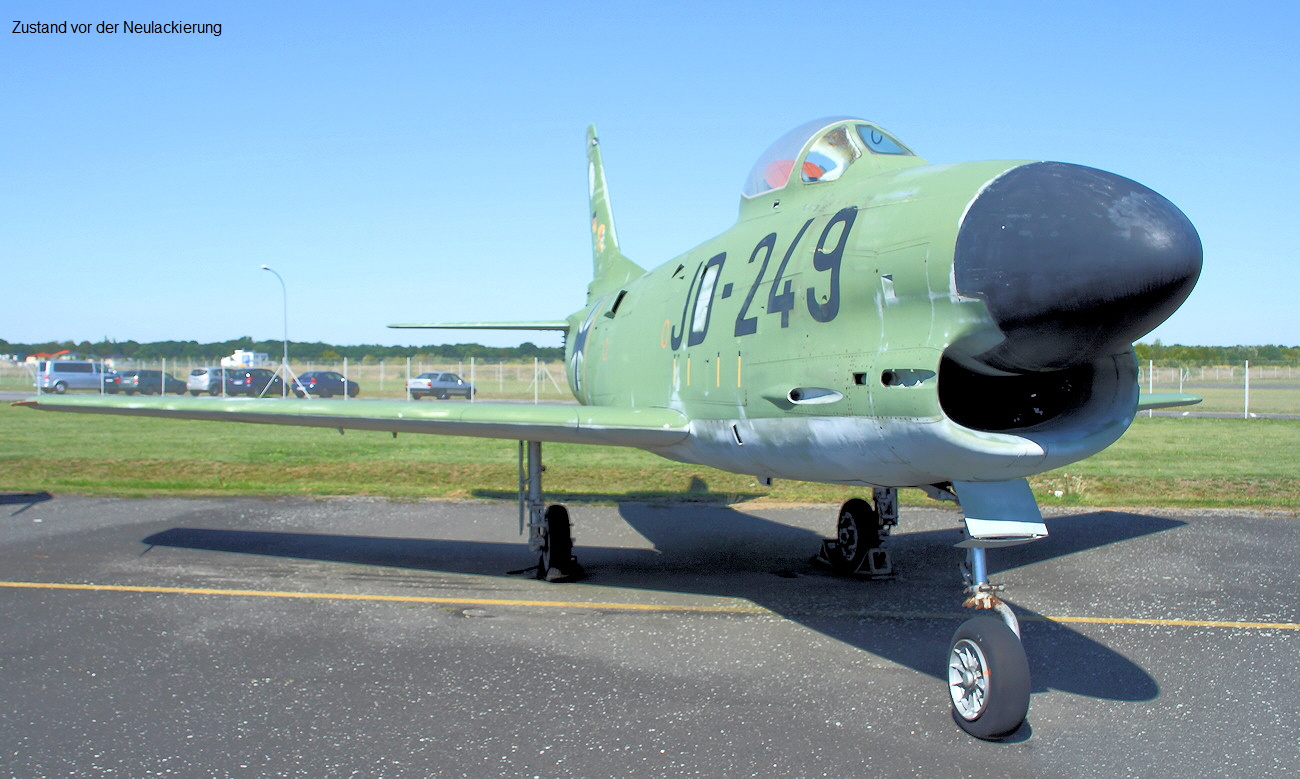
(988, 678)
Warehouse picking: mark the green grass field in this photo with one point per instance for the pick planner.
(1159, 462)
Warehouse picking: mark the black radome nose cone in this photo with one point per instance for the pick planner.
(1073, 264)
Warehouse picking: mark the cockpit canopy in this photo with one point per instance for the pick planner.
(833, 144)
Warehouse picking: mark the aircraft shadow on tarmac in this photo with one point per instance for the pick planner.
(24, 499)
(718, 551)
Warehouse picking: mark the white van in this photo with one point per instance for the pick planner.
(63, 375)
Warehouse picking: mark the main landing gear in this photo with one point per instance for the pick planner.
(860, 529)
(550, 534)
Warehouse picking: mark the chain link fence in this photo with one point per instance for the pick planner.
(379, 379)
(1245, 389)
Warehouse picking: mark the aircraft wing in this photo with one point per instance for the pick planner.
(646, 427)
(1154, 400)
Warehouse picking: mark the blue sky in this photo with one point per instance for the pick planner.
(424, 161)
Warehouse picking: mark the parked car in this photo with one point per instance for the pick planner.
(206, 379)
(439, 385)
(252, 382)
(324, 384)
(149, 382)
(59, 376)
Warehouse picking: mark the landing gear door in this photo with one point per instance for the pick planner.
(999, 513)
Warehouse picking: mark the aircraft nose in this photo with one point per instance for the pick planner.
(1073, 264)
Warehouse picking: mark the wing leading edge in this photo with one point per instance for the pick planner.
(1155, 400)
(641, 428)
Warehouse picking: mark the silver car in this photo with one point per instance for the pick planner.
(206, 380)
(439, 385)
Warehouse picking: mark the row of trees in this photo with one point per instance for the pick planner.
(306, 352)
(1177, 354)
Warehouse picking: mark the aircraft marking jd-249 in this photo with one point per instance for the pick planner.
(870, 320)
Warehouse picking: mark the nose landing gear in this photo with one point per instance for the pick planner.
(988, 672)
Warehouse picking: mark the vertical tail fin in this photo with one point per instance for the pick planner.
(611, 269)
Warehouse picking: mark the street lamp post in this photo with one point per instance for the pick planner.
(284, 363)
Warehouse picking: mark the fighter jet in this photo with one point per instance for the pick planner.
(870, 320)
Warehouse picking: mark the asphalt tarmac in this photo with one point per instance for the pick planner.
(352, 637)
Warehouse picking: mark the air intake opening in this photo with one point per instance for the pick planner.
(1001, 403)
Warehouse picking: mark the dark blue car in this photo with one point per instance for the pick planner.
(325, 384)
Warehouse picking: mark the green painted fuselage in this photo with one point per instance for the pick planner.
(813, 340)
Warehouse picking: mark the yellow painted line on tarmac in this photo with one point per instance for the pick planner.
(609, 606)
(388, 598)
